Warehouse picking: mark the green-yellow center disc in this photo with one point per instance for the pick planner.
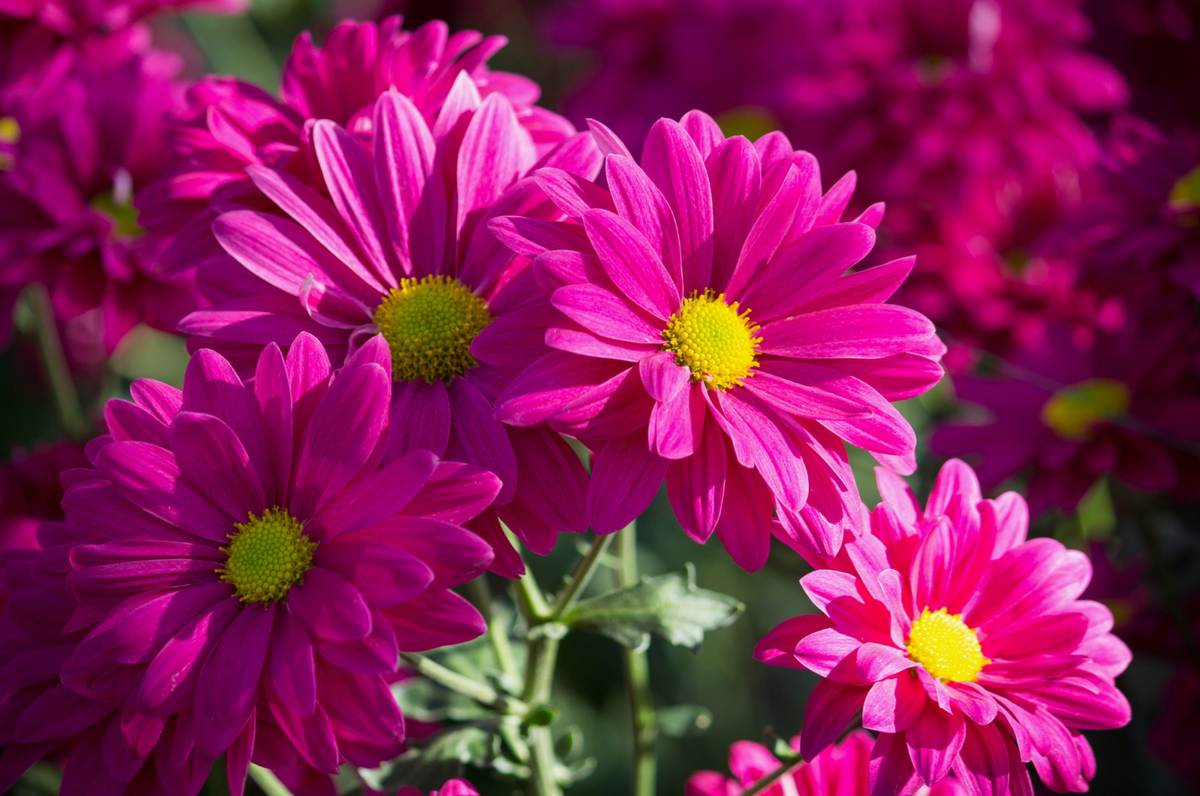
(429, 324)
(266, 556)
(714, 339)
(946, 647)
(1074, 411)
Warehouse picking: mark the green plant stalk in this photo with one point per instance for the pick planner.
(482, 693)
(497, 635)
(539, 683)
(784, 769)
(637, 677)
(580, 577)
(54, 361)
(267, 781)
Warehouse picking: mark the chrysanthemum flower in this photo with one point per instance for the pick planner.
(839, 770)
(81, 17)
(1120, 403)
(73, 152)
(246, 573)
(707, 332)
(230, 124)
(30, 492)
(960, 641)
(395, 243)
(453, 787)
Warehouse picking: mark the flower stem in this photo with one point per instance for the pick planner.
(54, 361)
(481, 595)
(785, 768)
(482, 693)
(580, 577)
(539, 682)
(267, 781)
(637, 677)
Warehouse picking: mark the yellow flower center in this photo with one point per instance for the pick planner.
(946, 647)
(714, 339)
(266, 556)
(10, 134)
(429, 324)
(1074, 411)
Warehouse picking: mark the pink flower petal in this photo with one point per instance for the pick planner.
(228, 684)
(625, 478)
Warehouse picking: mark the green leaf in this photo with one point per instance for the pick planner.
(684, 721)
(427, 767)
(670, 606)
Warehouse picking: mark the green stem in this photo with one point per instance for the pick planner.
(482, 693)
(54, 360)
(481, 595)
(785, 768)
(637, 676)
(580, 577)
(268, 782)
(539, 683)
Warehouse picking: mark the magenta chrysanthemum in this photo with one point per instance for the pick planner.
(74, 146)
(81, 17)
(454, 787)
(395, 242)
(964, 644)
(245, 576)
(231, 124)
(707, 332)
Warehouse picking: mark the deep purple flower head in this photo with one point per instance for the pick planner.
(960, 641)
(80, 17)
(244, 574)
(30, 491)
(1119, 402)
(393, 239)
(230, 125)
(76, 143)
(706, 332)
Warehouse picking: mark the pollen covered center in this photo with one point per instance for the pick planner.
(714, 339)
(1074, 411)
(946, 647)
(429, 324)
(266, 556)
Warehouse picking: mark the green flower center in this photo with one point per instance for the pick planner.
(946, 647)
(429, 325)
(713, 339)
(266, 556)
(1074, 411)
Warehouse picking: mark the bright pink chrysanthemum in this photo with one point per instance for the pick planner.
(246, 575)
(707, 332)
(73, 149)
(1121, 402)
(839, 770)
(230, 125)
(81, 17)
(396, 242)
(960, 641)
(453, 787)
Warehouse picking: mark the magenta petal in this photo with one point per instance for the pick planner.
(671, 159)
(829, 709)
(149, 477)
(495, 150)
(675, 424)
(291, 668)
(478, 438)
(549, 384)
(237, 759)
(696, 485)
(663, 379)
(809, 391)
(735, 174)
(868, 331)
(379, 495)
(632, 264)
(455, 492)
(893, 704)
(228, 685)
(744, 527)
(172, 672)
(758, 442)
(403, 152)
(454, 555)
(639, 201)
(778, 647)
(383, 574)
(823, 650)
(273, 394)
(625, 478)
(330, 607)
(341, 438)
(603, 313)
(435, 619)
(211, 456)
(430, 403)
(313, 737)
(212, 387)
(891, 771)
(934, 741)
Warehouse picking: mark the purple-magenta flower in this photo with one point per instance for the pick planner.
(245, 574)
(707, 333)
(81, 17)
(230, 125)
(395, 241)
(76, 145)
(960, 641)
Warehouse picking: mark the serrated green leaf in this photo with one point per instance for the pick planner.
(670, 606)
(427, 767)
(684, 721)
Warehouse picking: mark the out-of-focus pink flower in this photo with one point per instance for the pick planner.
(707, 332)
(960, 641)
(77, 143)
(453, 787)
(79, 17)
(1120, 402)
(394, 240)
(230, 125)
(244, 575)
(30, 491)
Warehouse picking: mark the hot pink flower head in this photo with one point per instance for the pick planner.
(78, 17)
(453, 787)
(395, 241)
(960, 641)
(707, 332)
(1122, 402)
(230, 125)
(75, 147)
(839, 770)
(245, 576)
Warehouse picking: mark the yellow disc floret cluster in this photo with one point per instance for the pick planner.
(266, 556)
(1074, 411)
(429, 324)
(714, 339)
(948, 649)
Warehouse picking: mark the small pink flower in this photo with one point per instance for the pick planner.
(960, 641)
(706, 332)
(453, 787)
